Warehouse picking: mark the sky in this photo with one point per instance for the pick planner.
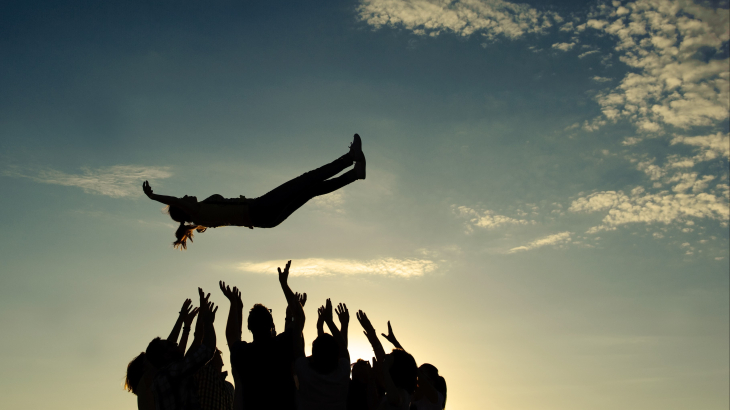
(544, 219)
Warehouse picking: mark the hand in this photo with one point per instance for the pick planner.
(203, 298)
(284, 276)
(147, 189)
(212, 309)
(320, 314)
(343, 314)
(365, 323)
(390, 336)
(301, 298)
(233, 295)
(188, 320)
(185, 309)
(327, 313)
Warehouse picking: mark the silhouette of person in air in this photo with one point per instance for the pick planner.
(266, 211)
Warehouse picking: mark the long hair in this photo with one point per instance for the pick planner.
(184, 231)
(135, 370)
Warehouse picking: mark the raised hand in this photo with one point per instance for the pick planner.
(147, 189)
(203, 298)
(186, 306)
(212, 309)
(188, 318)
(320, 320)
(365, 323)
(391, 337)
(327, 313)
(233, 295)
(284, 275)
(301, 298)
(343, 314)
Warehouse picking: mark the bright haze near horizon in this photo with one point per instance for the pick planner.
(544, 219)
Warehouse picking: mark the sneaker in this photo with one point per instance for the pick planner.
(356, 149)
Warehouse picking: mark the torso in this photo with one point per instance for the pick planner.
(218, 211)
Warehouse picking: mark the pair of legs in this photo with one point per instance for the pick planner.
(273, 208)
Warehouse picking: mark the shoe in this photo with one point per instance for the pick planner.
(360, 167)
(356, 149)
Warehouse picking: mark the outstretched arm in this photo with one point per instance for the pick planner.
(371, 335)
(327, 314)
(320, 321)
(234, 325)
(210, 339)
(187, 321)
(344, 316)
(295, 307)
(200, 323)
(184, 310)
(190, 207)
(391, 337)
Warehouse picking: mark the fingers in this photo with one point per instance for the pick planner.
(390, 331)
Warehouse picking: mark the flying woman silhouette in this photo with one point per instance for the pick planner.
(266, 211)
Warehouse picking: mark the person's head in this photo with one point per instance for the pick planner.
(184, 231)
(162, 352)
(217, 361)
(325, 353)
(135, 370)
(260, 321)
(438, 382)
(404, 371)
(361, 371)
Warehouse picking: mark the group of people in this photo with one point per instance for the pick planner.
(272, 371)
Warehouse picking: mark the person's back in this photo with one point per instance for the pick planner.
(264, 370)
(326, 391)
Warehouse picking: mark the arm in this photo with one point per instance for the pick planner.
(190, 207)
(210, 338)
(184, 310)
(391, 337)
(371, 335)
(296, 310)
(200, 323)
(335, 332)
(344, 317)
(320, 321)
(187, 321)
(234, 325)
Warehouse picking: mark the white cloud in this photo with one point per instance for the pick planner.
(563, 46)
(485, 219)
(331, 202)
(117, 181)
(491, 18)
(319, 267)
(675, 81)
(601, 79)
(555, 239)
(587, 53)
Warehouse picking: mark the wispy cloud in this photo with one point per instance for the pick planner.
(485, 219)
(555, 239)
(563, 46)
(331, 202)
(318, 267)
(490, 18)
(117, 181)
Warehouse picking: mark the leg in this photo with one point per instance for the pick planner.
(269, 217)
(285, 192)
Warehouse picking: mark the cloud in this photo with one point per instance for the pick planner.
(587, 53)
(679, 71)
(485, 219)
(321, 267)
(601, 79)
(330, 202)
(563, 46)
(117, 181)
(555, 239)
(490, 18)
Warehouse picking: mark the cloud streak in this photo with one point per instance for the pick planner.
(485, 219)
(405, 268)
(490, 18)
(118, 181)
(554, 240)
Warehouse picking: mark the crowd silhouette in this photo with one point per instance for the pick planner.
(272, 371)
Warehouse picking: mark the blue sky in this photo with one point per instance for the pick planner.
(545, 217)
